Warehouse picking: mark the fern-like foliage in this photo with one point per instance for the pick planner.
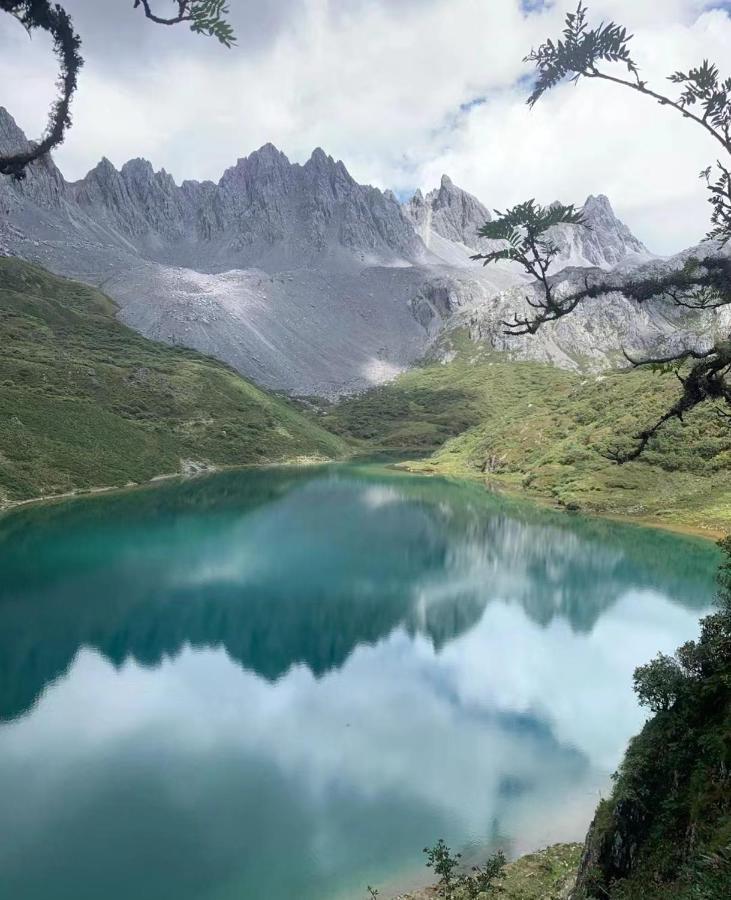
(577, 53)
(720, 200)
(523, 230)
(703, 86)
(209, 17)
(705, 99)
(522, 234)
(204, 16)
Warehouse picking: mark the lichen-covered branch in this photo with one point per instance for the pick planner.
(34, 14)
(708, 379)
(204, 16)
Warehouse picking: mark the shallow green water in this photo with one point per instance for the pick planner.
(283, 684)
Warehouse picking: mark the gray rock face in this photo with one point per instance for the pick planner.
(604, 241)
(594, 335)
(298, 276)
(449, 212)
(264, 212)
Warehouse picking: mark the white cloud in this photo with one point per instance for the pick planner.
(381, 85)
(597, 138)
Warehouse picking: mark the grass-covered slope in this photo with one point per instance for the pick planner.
(85, 401)
(542, 430)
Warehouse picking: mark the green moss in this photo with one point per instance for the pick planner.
(534, 428)
(86, 401)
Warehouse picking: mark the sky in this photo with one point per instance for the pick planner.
(401, 90)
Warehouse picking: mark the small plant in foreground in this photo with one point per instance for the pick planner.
(481, 880)
(439, 857)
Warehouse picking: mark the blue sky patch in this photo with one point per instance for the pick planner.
(531, 6)
(471, 104)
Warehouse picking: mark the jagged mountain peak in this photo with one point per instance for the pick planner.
(45, 186)
(139, 168)
(264, 211)
(447, 212)
(103, 171)
(328, 168)
(319, 157)
(605, 242)
(12, 137)
(453, 214)
(598, 200)
(295, 274)
(268, 159)
(268, 151)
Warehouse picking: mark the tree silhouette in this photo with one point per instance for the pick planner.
(701, 284)
(204, 17)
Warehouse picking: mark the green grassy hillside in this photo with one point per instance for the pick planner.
(535, 428)
(85, 401)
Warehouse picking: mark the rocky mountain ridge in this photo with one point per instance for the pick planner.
(298, 276)
(452, 214)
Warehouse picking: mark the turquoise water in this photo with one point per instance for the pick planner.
(283, 684)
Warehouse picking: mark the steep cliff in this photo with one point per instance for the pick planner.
(665, 832)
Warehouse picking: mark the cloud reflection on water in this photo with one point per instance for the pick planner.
(337, 675)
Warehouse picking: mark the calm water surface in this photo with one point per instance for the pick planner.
(283, 684)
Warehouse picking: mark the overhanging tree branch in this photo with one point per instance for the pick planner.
(700, 285)
(707, 380)
(581, 50)
(33, 14)
(205, 17)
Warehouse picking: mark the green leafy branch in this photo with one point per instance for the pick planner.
(205, 17)
(581, 51)
(523, 235)
(705, 98)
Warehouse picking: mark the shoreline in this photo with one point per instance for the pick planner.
(404, 467)
(508, 490)
(10, 505)
(546, 874)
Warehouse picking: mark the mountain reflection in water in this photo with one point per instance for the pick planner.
(331, 664)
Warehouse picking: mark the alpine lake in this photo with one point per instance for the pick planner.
(281, 684)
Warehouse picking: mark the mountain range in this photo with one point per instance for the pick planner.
(306, 281)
